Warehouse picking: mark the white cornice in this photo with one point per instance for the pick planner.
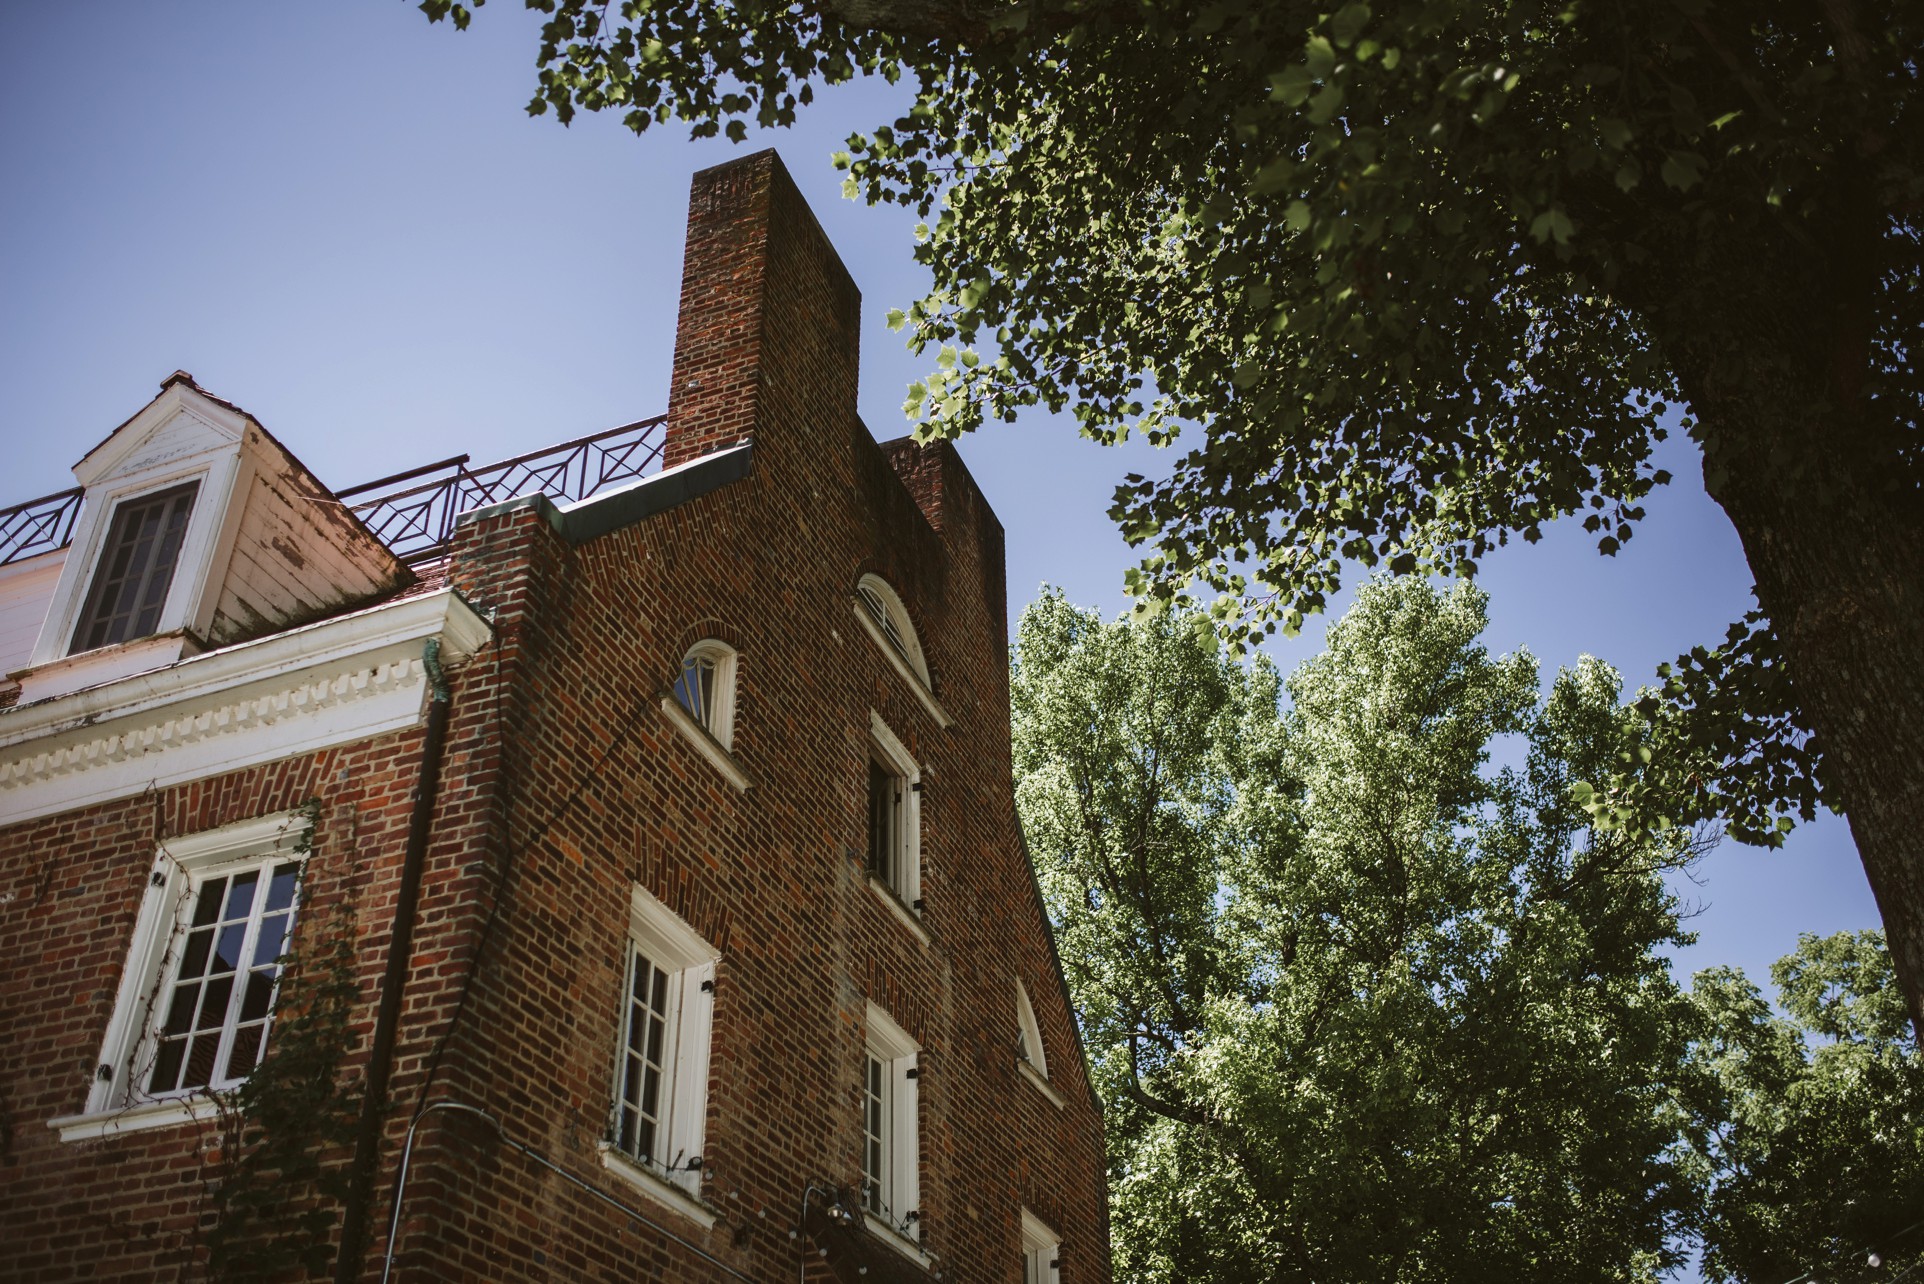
(326, 684)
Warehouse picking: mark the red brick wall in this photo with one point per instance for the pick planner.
(566, 786)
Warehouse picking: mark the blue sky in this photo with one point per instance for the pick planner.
(342, 219)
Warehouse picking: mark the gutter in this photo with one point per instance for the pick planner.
(380, 1067)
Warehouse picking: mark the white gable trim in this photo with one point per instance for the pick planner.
(115, 473)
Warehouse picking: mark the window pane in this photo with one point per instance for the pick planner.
(695, 689)
(207, 904)
(240, 894)
(643, 1072)
(875, 1137)
(247, 1051)
(280, 894)
(272, 941)
(136, 568)
(882, 793)
(220, 996)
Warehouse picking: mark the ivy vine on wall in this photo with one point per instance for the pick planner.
(276, 1183)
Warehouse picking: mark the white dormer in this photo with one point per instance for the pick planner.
(197, 530)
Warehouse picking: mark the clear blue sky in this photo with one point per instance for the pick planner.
(342, 219)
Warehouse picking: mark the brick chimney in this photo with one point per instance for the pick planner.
(767, 338)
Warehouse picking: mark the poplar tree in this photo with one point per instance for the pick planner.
(1361, 1005)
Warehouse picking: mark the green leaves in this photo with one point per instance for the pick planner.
(1349, 23)
(1358, 1005)
(1682, 170)
(1811, 1127)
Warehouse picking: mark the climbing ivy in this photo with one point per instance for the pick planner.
(280, 1174)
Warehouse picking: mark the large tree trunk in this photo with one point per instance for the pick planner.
(1834, 532)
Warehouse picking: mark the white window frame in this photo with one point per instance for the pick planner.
(205, 546)
(116, 1100)
(1030, 1049)
(673, 1164)
(879, 610)
(712, 734)
(899, 1193)
(1041, 1251)
(901, 885)
(718, 719)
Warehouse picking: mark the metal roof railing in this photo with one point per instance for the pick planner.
(415, 518)
(38, 526)
(412, 512)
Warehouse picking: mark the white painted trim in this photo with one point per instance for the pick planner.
(336, 682)
(908, 917)
(176, 863)
(675, 942)
(901, 666)
(214, 473)
(897, 1241)
(174, 399)
(897, 1049)
(1038, 1054)
(662, 1192)
(721, 710)
(200, 1108)
(102, 665)
(682, 1109)
(908, 842)
(1047, 1089)
(705, 744)
(1041, 1245)
(898, 615)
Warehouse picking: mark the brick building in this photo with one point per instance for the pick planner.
(694, 937)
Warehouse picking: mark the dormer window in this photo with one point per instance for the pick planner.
(136, 568)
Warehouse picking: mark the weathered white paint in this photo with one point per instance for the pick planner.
(266, 546)
(295, 554)
(336, 682)
(104, 664)
(26, 588)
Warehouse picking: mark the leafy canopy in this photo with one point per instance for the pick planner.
(1814, 1121)
(1410, 279)
(1360, 1005)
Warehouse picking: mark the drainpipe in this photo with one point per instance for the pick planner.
(380, 1063)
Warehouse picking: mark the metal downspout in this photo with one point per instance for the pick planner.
(380, 1065)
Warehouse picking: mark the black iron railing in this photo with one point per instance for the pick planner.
(413, 512)
(38, 526)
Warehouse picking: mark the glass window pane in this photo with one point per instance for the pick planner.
(247, 1049)
(166, 1075)
(207, 904)
(280, 894)
(135, 569)
(223, 975)
(194, 954)
(240, 894)
(271, 943)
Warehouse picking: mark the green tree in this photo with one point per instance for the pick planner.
(1360, 1006)
(1815, 1124)
(1418, 277)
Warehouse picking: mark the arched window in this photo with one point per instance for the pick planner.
(705, 688)
(888, 620)
(1029, 1033)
